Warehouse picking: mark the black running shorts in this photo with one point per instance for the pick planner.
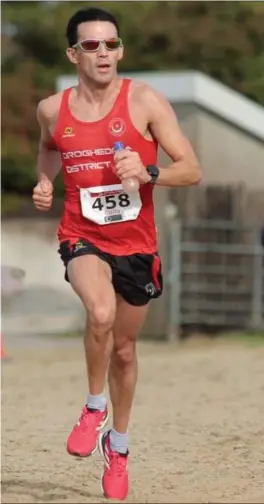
(137, 278)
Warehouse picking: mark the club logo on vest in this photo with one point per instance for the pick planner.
(117, 127)
(68, 132)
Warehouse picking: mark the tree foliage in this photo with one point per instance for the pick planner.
(222, 39)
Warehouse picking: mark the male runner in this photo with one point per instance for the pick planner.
(107, 237)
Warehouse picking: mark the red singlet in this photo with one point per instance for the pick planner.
(87, 161)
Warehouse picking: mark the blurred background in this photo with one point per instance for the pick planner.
(208, 59)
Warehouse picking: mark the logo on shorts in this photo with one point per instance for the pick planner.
(117, 127)
(68, 132)
(78, 246)
(150, 289)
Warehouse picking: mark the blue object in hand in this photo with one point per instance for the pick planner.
(118, 146)
(131, 184)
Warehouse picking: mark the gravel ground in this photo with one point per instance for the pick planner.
(196, 431)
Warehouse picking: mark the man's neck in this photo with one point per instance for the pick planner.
(95, 93)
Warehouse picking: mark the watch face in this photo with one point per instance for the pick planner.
(153, 172)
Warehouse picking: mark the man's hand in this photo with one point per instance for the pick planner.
(43, 195)
(129, 165)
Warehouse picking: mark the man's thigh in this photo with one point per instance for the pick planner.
(90, 274)
(90, 278)
(129, 321)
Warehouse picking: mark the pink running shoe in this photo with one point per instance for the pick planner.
(82, 441)
(114, 481)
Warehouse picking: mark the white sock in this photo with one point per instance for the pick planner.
(119, 442)
(97, 402)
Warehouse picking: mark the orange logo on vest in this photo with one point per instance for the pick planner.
(68, 132)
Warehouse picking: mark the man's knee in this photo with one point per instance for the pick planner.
(125, 352)
(101, 318)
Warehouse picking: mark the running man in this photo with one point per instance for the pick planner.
(107, 236)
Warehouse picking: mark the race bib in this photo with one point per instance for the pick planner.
(109, 204)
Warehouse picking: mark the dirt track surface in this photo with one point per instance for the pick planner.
(197, 428)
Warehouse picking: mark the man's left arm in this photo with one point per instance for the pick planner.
(184, 169)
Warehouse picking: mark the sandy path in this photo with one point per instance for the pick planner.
(197, 427)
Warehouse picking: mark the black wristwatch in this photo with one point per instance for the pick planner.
(153, 171)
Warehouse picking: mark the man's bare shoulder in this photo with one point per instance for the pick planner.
(146, 95)
(141, 90)
(49, 107)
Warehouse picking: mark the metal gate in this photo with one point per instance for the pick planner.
(216, 276)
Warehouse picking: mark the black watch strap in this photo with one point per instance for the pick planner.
(153, 171)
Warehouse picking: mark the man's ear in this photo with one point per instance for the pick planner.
(72, 55)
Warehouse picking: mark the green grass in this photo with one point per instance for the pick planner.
(12, 202)
(248, 338)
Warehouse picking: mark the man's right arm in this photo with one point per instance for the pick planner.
(48, 160)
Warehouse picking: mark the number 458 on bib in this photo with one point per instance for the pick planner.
(109, 204)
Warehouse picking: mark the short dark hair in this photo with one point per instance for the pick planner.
(84, 16)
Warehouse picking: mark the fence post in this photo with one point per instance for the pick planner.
(174, 280)
(256, 321)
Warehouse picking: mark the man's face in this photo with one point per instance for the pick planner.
(99, 66)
